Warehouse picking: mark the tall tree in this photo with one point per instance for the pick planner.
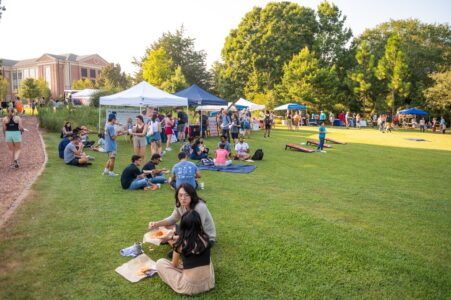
(111, 77)
(176, 82)
(157, 67)
(3, 88)
(43, 87)
(264, 41)
(333, 37)
(393, 68)
(306, 81)
(181, 50)
(438, 96)
(362, 76)
(28, 89)
(427, 49)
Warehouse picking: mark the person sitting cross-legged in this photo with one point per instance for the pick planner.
(133, 179)
(184, 172)
(73, 153)
(242, 150)
(153, 174)
(221, 156)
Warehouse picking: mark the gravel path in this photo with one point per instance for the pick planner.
(15, 183)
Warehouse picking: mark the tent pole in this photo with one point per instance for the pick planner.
(200, 122)
(187, 114)
(99, 118)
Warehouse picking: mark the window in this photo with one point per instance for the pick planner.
(93, 82)
(17, 78)
(84, 72)
(48, 77)
(92, 73)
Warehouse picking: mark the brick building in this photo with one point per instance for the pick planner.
(58, 70)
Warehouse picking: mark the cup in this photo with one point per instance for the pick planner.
(202, 185)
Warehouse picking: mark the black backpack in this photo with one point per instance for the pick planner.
(258, 155)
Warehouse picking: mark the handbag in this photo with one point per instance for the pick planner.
(150, 129)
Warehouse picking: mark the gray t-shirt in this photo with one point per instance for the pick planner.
(69, 153)
(205, 217)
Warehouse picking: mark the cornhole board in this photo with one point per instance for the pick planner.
(335, 141)
(296, 147)
(312, 142)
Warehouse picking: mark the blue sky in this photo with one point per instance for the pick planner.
(120, 30)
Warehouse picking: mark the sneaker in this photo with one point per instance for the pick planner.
(112, 174)
(91, 158)
(323, 151)
(168, 149)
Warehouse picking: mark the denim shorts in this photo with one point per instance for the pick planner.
(13, 136)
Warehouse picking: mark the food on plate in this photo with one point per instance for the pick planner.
(158, 234)
(143, 270)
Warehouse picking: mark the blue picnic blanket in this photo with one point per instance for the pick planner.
(230, 168)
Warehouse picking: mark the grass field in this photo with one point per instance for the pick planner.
(370, 219)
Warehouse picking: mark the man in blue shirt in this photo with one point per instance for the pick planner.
(184, 172)
(110, 145)
(322, 136)
(62, 145)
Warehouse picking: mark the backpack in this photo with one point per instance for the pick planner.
(184, 117)
(258, 155)
(207, 162)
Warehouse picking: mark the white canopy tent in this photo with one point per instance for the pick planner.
(84, 95)
(142, 94)
(252, 106)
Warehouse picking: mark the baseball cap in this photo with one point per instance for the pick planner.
(111, 116)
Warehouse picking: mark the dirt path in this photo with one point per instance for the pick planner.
(15, 183)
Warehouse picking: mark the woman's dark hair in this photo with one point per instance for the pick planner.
(140, 117)
(221, 146)
(169, 115)
(191, 191)
(67, 127)
(192, 238)
(101, 135)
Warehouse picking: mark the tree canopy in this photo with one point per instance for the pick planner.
(111, 77)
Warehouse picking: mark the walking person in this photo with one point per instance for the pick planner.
(110, 145)
(442, 125)
(33, 107)
(154, 135)
(12, 128)
(289, 120)
(267, 121)
(168, 124)
(322, 137)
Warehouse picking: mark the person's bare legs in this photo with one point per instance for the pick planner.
(17, 147)
(168, 142)
(11, 149)
(142, 152)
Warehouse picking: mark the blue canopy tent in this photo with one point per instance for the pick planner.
(198, 96)
(413, 111)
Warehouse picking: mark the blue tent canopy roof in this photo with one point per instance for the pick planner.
(198, 96)
(289, 106)
(413, 111)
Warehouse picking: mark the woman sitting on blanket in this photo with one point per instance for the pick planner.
(197, 153)
(221, 156)
(196, 275)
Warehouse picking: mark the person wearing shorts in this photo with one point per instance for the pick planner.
(12, 128)
(139, 137)
(168, 124)
(73, 153)
(154, 135)
(110, 145)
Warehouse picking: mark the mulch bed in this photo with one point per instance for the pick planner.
(14, 183)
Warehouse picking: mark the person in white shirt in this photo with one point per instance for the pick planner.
(242, 150)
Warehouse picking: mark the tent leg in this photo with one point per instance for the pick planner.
(200, 118)
(99, 118)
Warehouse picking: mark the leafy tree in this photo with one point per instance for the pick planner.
(112, 77)
(427, 49)
(362, 76)
(82, 84)
(305, 81)
(176, 82)
(157, 67)
(264, 41)
(181, 52)
(393, 67)
(438, 96)
(28, 89)
(333, 36)
(43, 87)
(3, 88)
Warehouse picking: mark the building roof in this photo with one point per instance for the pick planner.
(64, 57)
(7, 62)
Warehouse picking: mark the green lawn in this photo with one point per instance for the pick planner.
(371, 219)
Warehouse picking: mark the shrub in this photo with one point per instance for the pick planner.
(54, 119)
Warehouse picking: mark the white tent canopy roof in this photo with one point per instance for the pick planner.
(211, 107)
(86, 93)
(143, 94)
(250, 105)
